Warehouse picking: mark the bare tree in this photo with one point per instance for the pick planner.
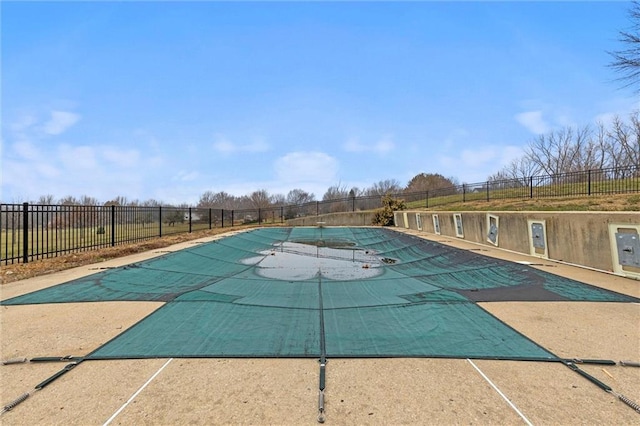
(278, 200)
(627, 60)
(86, 200)
(554, 152)
(518, 171)
(260, 199)
(298, 197)
(46, 199)
(336, 192)
(120, 200)
(219, 200)
(151, 203)
(296, 201)
(243, 202)
(578, 149)
(207, 199)
(586, 150)
(339, 195)
(69, 200)
(635, 130)
(623, 143)
(356, 192)
(602, 138)
(388, 186)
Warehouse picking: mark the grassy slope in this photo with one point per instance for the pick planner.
(616, 202)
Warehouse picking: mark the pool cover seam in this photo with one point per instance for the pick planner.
(323, 345)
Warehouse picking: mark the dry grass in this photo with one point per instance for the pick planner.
(613, 202)
(20, 271)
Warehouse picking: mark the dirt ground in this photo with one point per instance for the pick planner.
(285, 391)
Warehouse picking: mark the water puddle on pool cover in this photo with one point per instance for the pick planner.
(298, 261)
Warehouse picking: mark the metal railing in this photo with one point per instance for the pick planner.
(33, 231)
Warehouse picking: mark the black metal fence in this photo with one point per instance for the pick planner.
(33, 231)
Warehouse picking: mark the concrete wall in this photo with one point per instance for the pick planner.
(335, 219)
(582, 238)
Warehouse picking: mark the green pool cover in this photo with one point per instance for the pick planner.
(313, 292)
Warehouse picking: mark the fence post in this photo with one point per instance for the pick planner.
(232, 218)
(222, 218)
(487, 191)
(210, 218)
(426, 198)
(189, 219)
(25, 232)
(281, 214)
(530, 186)
(160, 221)
(589, 182)
(353, 203)
(113, 225)
(464, 192)
(317, 208)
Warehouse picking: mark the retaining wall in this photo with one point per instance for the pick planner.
(335, 219)
(608, 241)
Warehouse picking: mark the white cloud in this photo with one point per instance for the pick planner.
(533, 121)
(47, 170)
(257, 146)
(59, 122)
(101, 171)
(477, 157)
(354, 145)
(26, 150)
(383, 146)
(605, 118)
(475, 165)
(225, 146)
(126, 158)
(509, 153)
(184, 176)
(455, 137)
(23, 123)
(297, 167)
(469, 161)
(77, 157)
(620, 107)
(156, 161)
(490, 155)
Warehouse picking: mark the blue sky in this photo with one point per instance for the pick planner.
(167, 100)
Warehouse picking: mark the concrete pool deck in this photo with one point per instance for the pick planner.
(358, 391)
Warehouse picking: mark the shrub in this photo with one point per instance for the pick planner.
(384, 215)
